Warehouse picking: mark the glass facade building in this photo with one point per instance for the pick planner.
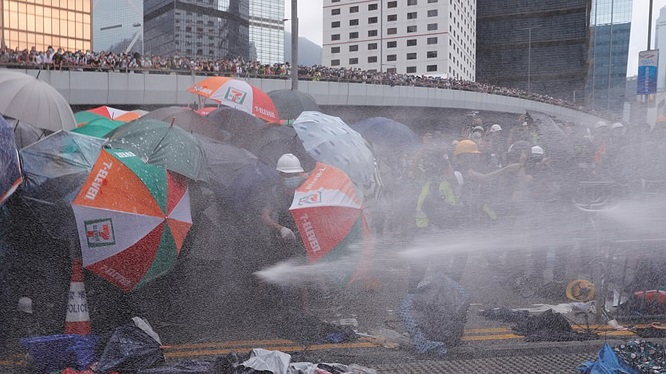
(117, 25)
(610, 27)
(267, 31)
(62, 24)
(537, 46)
(197, 29)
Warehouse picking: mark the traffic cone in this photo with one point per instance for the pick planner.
(78, 320)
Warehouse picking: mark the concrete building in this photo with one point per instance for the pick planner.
(60, 24)
(536, 46)
(118, 25)
(422, 37)
(610, 27)
(197, 29)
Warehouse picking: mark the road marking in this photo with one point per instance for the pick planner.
(287, 348)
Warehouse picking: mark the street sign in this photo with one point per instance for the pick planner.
(647, 72)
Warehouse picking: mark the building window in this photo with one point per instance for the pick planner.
(431, 54)
(353, 48)
(411, 15)
(333, 1)
(372, 7)
(391, 31)
(353, 35)
(411, 42)
(392, 4)
(335, 62)
(335, 11)
(411, 69)
(432, 26)
(335, 24)
(391, 57)
(431, 68)
(372, 20)
(353, 9)
(372, 59)
(372, 46)
(411, 28)
(391, 44)
(335, 49)
(372, 32)
(411, 2)
(353, 22)
(432, 13)
(392, 17)
(335, 37)
(432, 1)
(353, 61)
(432, 40)
(411, 56)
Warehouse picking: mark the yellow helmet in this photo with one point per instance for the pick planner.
(466, 146)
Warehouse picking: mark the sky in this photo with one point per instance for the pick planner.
(310, 18)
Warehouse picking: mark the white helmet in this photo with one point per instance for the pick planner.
(289, 163)
(24, 305)
(536, 150)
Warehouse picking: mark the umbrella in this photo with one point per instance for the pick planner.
(328, 211)
(99, 127)
(328, 139)
(159, 143)
(556, 143)
(240, 125)
(237, 94)
(28, 99)
(188, 120)
(55, 168)
(224, 161)
(273, 141)
(24, 133)
(108, 112)
(10, 168)
(291, 103)
(387, 134)
(132, 219)
(206, 110)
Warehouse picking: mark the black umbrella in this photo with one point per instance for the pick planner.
(552, 138)
(387, 133)
(271, 142)
(224, 161)
(55, 169)
(240, 126)
(291, 103)
(188, 120)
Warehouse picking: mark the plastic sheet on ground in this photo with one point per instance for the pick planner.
(608, 363)
(130, 349)
(263, 360)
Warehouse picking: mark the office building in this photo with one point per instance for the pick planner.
(118, 25)
(536, 46)
(610, 27)
(197, 29)
(421, 37)
(57, 23)
(267, 31)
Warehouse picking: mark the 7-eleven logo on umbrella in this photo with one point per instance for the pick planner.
(235, 95)
(100, 233)
(313, 198)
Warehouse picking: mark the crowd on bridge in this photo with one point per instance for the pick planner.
(60, 59)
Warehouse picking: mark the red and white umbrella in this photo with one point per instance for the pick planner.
(237, 94)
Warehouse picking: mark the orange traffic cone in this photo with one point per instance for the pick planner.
(78, 320)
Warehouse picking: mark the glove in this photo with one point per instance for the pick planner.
(287, 234)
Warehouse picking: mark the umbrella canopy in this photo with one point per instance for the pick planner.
(273, 141)
(206, 110)
(237, 94)
(385, 133)
(24, 133)
(240, 125)
(328, 212)
(108, 112)
(28, 99)
(132, 219)
(99, 127)
(188, 120)
(329, 140)
(55, 168)
(291, 103)
(159, 143)
(551, 137)
(10, 168)
(224, 161)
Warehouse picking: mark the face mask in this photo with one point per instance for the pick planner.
(293, 182)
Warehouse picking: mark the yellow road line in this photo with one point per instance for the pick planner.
(229, 344)
(490, 337)
(289, 348)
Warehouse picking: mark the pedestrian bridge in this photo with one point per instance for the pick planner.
(145, 89)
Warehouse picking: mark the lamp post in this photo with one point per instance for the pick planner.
(529, 56)
(294, 45)
(2, 24)
(140, 31)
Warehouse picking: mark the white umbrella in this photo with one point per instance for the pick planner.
(30, 100)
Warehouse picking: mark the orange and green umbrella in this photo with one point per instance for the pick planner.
(132, 219)
(99, 127)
